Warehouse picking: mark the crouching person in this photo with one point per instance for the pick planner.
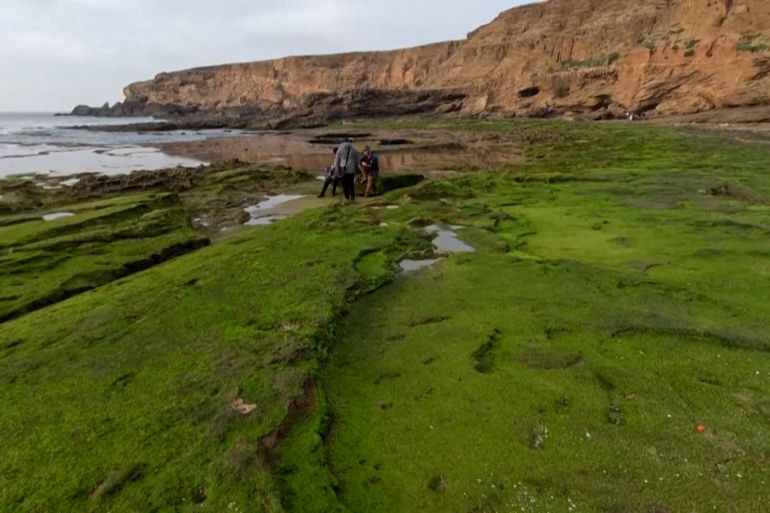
(330, 178)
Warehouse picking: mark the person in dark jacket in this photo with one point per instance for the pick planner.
(331, 179)
(345, 165)
(370, 168)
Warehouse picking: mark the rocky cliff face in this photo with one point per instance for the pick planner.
(598, 58)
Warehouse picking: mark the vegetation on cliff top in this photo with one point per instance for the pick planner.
(613, 304)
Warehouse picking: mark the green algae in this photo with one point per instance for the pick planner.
(613, 304)
(146, 370)
(111, 235)
(620, 407)
(577, 363)
(43, 262)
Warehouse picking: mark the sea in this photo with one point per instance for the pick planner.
(42, 143)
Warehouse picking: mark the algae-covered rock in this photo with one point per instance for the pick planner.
(383, 184)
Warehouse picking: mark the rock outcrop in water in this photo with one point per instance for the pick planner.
(596, 58)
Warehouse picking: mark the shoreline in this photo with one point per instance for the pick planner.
(435, 152)
(299, 147)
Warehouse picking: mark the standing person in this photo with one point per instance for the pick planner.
(345, 165)
(370, 167)
(331, 178)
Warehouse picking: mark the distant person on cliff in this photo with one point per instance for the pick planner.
(330, 178)
(345, 165)
(370, 168)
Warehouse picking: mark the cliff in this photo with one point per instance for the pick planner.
(597, 58)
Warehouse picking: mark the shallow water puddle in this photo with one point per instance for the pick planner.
(57, 215)
(408, 265)
(48, 187)
(271, 202)
(447, 240)
(265, 220)
(202, 221)
(263, 213)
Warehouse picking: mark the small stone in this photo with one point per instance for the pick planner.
(539, 435)
(438, 483)
(242, 407)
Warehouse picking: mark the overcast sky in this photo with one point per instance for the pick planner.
(55, 54)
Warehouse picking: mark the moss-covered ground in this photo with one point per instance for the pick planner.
(616, 302)
(121, 399)
(94, 238)
(617, 299)
(42, 262)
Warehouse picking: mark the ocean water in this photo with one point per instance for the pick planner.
(46, 144)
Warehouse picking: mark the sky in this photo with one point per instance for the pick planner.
(55, 54)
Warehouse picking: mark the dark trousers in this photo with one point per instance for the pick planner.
(334, 182)
(349, 186)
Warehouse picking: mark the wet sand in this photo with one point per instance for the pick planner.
(434, 153)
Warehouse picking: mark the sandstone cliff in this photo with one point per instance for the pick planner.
(598, 58)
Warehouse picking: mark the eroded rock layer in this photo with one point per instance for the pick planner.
(600, 58)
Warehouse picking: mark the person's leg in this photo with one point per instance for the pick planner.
(352, 186)
(335, 183)
(326, 186)
(369, 181)
(347, 186)
(345, 189)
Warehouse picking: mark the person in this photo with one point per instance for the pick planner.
(345, 165)
(331, 179)
(370, 168)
